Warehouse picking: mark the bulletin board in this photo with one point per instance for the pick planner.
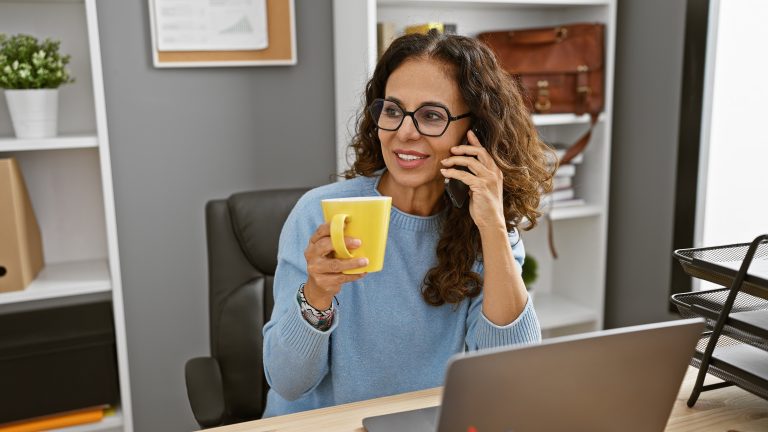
(281, 48)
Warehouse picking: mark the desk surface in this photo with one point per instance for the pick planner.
(726, 409)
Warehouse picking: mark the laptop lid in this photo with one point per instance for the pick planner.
(622, 379)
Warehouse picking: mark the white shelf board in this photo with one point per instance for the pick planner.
(64, 280)
(109, 423)
(575, 212)
(534, 3)
(555, 311)
(42, 1)
(8, 144)
(562, 119)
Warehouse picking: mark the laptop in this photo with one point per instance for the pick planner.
(623, 379)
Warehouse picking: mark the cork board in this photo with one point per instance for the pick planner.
(281, 30)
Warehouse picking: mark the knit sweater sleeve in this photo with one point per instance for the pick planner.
(482, 333)
(295, 353)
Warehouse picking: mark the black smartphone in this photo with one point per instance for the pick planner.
(457, 190)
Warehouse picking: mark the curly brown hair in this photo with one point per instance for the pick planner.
(498, 110)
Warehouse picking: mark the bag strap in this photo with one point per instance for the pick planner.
(571, 153)
(550, 235)
(581, 144)
(537, 37)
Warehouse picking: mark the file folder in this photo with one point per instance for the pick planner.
(21, 247)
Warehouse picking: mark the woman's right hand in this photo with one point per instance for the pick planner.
(325, 270)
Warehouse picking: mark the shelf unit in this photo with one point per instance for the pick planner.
(570, 291)
(69, 180)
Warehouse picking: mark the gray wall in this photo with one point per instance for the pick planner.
(649, 64)
(180, 137)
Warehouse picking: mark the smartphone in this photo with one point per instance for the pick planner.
(457, 190)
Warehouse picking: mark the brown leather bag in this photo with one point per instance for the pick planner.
(559, 68)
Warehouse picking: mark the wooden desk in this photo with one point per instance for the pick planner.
(727, 409)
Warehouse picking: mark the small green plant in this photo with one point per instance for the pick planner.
(530, 271)
(26, 63)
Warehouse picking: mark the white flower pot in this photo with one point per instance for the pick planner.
(33, 112)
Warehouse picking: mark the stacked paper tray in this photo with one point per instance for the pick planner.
(747, 321)
(720, 264)
(738, 340)
(736, 362)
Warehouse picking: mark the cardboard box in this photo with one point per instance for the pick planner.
(21, 246)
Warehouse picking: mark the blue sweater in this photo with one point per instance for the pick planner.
(385, 338)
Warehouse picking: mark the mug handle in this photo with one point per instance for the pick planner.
(337, 236)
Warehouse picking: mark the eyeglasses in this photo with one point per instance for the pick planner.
(430, 120)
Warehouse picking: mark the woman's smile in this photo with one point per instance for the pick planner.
(410, 159)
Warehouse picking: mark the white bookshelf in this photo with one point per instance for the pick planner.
(571, 289)
(69, 180)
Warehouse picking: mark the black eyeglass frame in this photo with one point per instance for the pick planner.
(413, 118)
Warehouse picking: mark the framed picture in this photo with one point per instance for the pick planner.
(205, 33)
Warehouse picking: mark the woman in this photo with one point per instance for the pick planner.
(451, 278)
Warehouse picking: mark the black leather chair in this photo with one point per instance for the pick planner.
(242, 232)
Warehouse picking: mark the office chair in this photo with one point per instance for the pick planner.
(242, 234)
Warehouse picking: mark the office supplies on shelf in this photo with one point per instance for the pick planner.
(21, 246)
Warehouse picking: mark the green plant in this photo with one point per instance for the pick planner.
(530, 271)
(26, 63)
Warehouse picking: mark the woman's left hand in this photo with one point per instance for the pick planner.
(485, 181)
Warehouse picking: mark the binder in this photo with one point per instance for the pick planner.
(21, 246)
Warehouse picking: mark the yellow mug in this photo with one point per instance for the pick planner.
(364, 218)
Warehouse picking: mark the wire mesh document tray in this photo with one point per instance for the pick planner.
(747, 321)
(735, 348)
(721, 264)
(735, 362)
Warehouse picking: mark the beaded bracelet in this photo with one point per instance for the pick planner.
(321, 320)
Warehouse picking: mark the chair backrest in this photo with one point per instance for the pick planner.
(242, 233)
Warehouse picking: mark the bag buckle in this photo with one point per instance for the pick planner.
(542, 96)
(582, 83)
(583, 90)
(561, 33)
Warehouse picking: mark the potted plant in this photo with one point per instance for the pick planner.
(31, 72)
(530, 273)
